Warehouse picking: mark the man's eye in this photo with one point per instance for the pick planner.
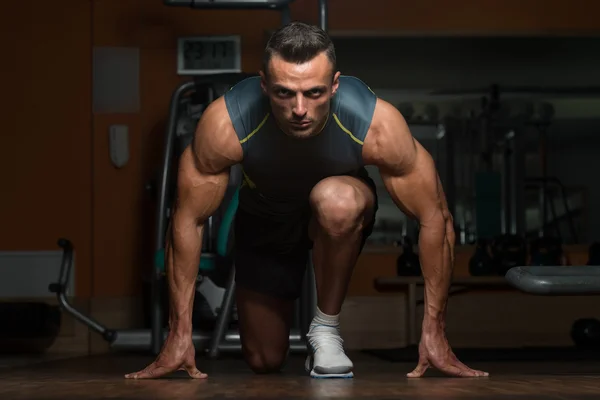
(283, 92)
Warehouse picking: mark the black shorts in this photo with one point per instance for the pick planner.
(271, 256)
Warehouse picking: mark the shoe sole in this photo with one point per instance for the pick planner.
(313, 374)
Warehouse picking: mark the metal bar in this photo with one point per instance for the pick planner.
(449, 136)
(167, 159)
(568, 212)
(224, 316)
(323, 14)
(232, 342)
(308, 299)
(563, 191)
(518, 220)
(236, 347)
(229, 4)
(412, 314)
(555, 218)
(141, 340)
(509, 221)
(506, 209)
(234, 336)
(66, 262)
(544, 189)
(60, 288)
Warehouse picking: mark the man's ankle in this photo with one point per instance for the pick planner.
(322, 319)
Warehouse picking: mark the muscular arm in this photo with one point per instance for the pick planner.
(202, 182)
(410, 177)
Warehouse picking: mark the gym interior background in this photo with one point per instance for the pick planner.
(435, 57)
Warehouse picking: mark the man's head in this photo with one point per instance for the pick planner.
(300, 77)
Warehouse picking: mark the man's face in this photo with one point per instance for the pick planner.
(300, 94)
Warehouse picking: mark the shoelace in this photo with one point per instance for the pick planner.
(318, 338)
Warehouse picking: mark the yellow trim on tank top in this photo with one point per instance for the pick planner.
(256, 129)
(247, 180)
(324, 124)
(342, 127)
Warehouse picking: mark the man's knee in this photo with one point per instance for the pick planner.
(266, 361)
(339, 207)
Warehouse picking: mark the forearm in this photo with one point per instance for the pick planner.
(198, 197)
(183, 253)
(436, 253)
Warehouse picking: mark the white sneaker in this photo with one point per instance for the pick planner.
(327, 358)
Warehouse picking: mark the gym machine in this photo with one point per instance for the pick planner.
(220, 339)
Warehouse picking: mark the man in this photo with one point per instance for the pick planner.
(303, 134)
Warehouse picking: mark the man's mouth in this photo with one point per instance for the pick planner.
(301, 123)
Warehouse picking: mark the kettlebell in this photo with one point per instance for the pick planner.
(481, 263)
(509, 251)
(408, 263)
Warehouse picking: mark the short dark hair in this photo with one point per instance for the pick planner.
(298, 42)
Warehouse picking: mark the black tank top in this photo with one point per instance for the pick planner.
(280, 171)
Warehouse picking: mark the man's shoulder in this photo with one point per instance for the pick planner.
(248, 89)
(354, 105)
(245, 96)
(353, 87)
(246, 105)
(353, 95)
(251, 83)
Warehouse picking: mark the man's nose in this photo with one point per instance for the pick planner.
(299, 108)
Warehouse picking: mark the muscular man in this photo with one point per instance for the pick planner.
(303, 134)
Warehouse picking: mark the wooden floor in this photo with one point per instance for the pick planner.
(102, 378)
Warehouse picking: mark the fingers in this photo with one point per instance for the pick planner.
(134, 375)
(419, 370)
(452, 367)
(195, 373)
(150, 372)
(458, 369)
(480, 374)
(473, 373)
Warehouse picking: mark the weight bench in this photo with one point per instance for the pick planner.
(555, 280)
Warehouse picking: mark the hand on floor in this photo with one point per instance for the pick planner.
(435, 351)
(177, 354)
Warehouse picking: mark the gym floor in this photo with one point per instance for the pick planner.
(101, 377)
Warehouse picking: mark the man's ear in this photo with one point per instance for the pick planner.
(336, 82)
(263, 82)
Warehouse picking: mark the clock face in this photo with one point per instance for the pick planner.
(209, 55)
